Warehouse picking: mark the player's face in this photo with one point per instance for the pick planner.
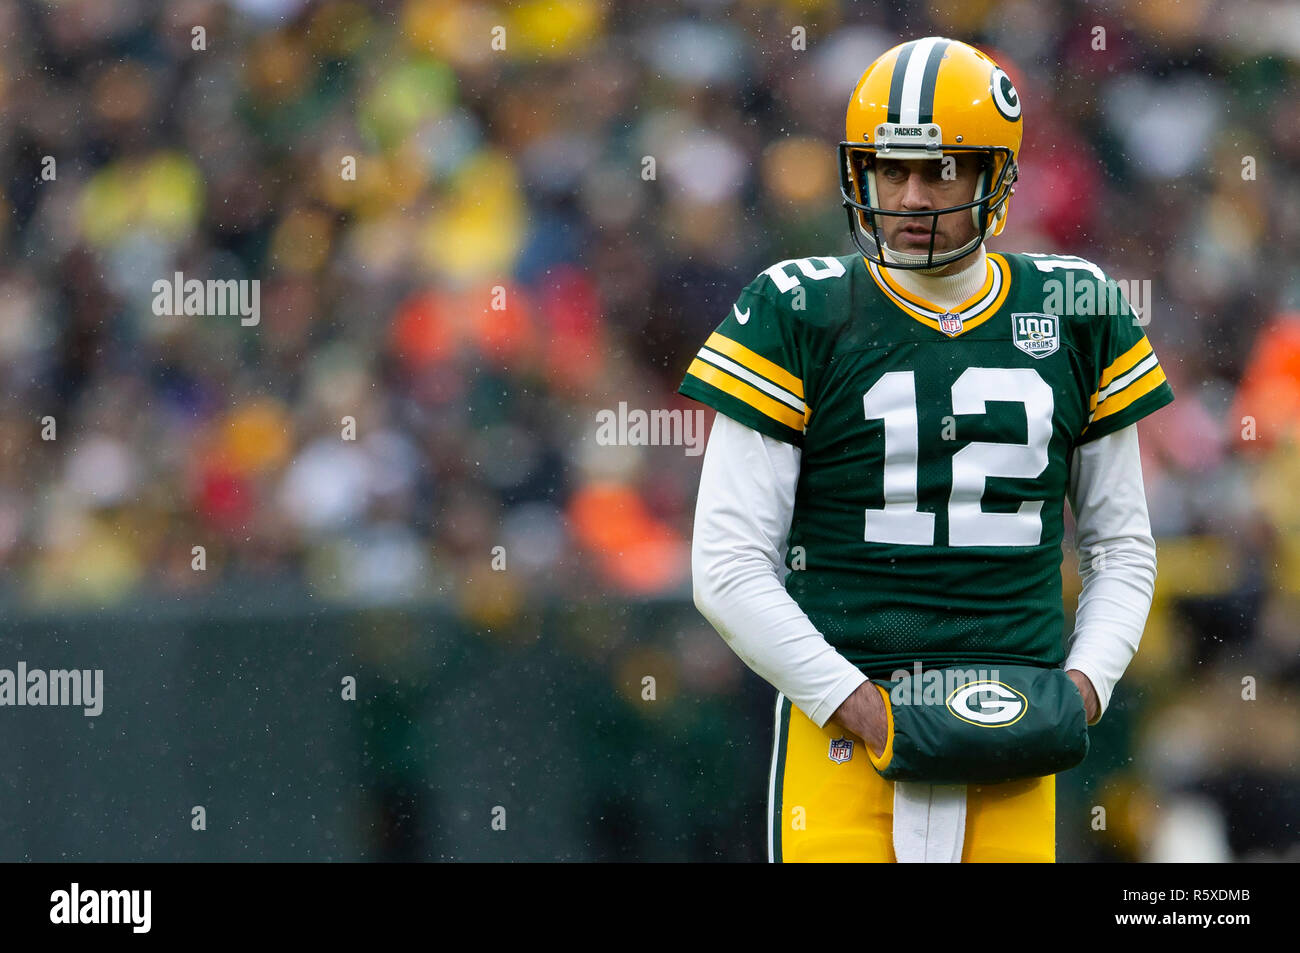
(915, 185)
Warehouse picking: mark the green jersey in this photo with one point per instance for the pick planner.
(935, 446)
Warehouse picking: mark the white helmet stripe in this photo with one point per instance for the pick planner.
(910, 113)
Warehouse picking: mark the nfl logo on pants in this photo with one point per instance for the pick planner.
(841, 750)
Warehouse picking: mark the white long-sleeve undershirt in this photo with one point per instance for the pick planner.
(742, 520)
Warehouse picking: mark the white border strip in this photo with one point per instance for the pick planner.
(771, 784)
(749, 377)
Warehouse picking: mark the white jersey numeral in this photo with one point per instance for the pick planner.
(973, 464)
(829, 268)
(893, 399)
(901, 522)
(1053, 262)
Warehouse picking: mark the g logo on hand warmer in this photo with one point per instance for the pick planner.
(1008, 707)
(1038, 709)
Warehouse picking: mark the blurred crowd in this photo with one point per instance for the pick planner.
(477, 225)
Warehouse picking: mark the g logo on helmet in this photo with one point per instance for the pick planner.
(1006, 707)
(1005, 96)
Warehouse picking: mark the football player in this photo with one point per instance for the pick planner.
(881, 502)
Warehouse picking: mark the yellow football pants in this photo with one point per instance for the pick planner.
(822, 808)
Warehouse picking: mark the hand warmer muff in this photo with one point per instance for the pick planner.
(958, 726)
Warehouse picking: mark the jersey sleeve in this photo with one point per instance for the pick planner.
(1130, 382)
(751, 367)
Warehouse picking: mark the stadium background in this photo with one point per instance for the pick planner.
(522, 169)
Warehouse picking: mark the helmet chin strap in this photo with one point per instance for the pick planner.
(907, 258)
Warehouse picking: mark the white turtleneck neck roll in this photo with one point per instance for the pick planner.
(945, 291)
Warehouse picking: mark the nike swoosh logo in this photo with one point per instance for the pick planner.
(742, 318)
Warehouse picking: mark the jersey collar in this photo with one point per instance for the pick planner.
(971, 313)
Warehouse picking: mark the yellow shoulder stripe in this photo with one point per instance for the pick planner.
(756, 363)
(729, 384)
(1125, 362)
(1144, 385)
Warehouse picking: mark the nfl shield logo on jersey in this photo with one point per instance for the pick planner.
(950, 323)
(841, 750)
(1038, 335)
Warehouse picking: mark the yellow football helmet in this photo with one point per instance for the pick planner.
(923, 100)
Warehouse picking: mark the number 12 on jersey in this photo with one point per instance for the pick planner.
(901, 521)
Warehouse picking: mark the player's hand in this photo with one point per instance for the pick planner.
(1091, 704)
(863, 713)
